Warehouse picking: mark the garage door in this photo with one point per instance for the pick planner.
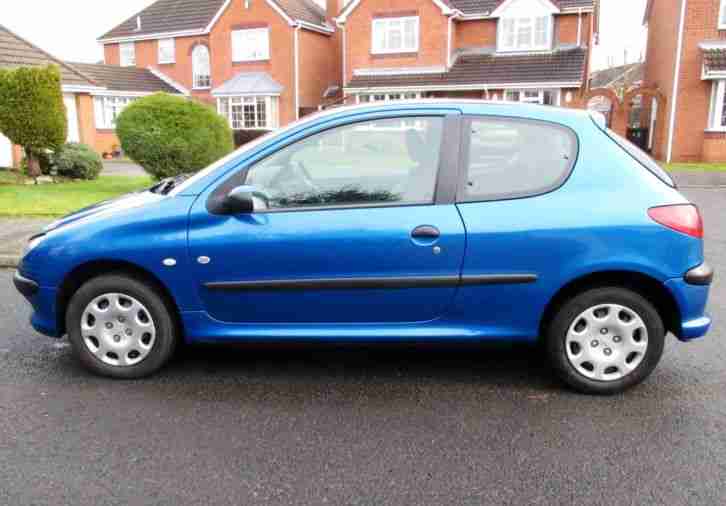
(6, 152)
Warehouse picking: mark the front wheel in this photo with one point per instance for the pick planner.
(120, 327)
(605, 340)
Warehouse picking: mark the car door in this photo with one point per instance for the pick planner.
(357, 225)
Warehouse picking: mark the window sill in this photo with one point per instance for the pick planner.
(394, 53)
(201, 88)
(106, 130)
(261, 60)
(507, 52)
(167, 62)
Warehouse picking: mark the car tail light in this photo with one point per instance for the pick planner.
(683, 218)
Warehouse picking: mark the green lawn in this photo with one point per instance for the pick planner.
(18, 199)
(699, 167)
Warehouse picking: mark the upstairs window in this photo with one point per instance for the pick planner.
(166, 51)
(395, 35)
(201, 68)
(722, 15)
(251, 45)
(525, 33)
(127, 54)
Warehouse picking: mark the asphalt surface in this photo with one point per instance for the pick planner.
(332, 425)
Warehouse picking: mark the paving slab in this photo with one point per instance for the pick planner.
(14, 234)
(696, 178)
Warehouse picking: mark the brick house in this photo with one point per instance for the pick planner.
(262, 63)
(92, 94)
(521, 50)
(686, 62)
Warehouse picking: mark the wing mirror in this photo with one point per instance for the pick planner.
(242, 199)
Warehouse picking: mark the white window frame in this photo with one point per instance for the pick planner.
(539, 99)
(722, 15)
(197, 74)
(381, 29)
(127, 54)
(166, 51)
(226, 108)
(107, 109)
(508, 42)
(251, 44)
(716, 116)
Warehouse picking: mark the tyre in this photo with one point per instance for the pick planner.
(605, 340)
(121, 327)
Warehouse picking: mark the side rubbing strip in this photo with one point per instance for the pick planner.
(370, 283)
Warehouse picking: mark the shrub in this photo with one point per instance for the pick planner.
(170, 135)
(78, 161)
(32, 114)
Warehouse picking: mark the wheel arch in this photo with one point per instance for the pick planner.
(647, 286)
(89, 270)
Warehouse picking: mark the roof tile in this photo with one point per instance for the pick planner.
(118, 78)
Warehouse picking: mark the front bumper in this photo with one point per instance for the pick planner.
(43, 300)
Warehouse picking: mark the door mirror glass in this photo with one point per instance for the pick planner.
(378, 162)
(245, 199)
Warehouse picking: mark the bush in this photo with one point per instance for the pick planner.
(32, 114)
(78, 161)
(170, 135)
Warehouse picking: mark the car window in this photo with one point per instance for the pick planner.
(510, 158)
(383, 161)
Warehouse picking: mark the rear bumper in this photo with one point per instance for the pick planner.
(691, 295)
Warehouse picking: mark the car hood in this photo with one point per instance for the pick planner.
(106, 209)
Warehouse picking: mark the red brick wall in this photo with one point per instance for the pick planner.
(358, 30)
(318, 66)
(475, 33)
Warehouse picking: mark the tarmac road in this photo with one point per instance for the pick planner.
(354, 425)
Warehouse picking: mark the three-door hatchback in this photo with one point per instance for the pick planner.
(417, 221)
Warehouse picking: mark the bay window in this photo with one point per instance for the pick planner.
(717, 112)
(107, 109)
(166, 51)
(250, 112)
(251, 44)
(525, 33)
(395, 35)
(127, 54)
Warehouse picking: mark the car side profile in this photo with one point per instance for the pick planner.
(417, 221)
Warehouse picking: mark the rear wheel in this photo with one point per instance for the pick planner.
(120, 327)
(605, 340)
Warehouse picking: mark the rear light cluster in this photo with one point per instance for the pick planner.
(683, 218)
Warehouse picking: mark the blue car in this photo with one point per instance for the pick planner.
(407, 221)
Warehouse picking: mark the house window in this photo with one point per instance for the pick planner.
(201, 68)
(395, 35)
(107, 110)
(717, 113)
(251, 45)
(249, 113)
(166, 51)
(534, 96)
(387, 97)
(128, 54)
(722, 15)
(525, 33)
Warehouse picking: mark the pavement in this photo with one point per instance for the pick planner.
(362, 425)
(121, 168)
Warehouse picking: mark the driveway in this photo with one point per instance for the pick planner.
(114, 168)
(361, 425)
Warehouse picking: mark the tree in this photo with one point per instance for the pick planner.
(169, 135)
(32, 114)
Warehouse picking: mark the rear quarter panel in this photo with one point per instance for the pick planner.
(596, 221)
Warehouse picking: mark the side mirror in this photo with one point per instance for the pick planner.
(241, 200)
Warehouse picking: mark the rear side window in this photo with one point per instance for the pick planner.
(642, 158)
(509, 158)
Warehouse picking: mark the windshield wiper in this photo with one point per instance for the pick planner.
(166, 185)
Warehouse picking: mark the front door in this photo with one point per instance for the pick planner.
(350, 229)
(69, 101)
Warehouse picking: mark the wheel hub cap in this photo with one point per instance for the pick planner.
(118, 329)
(606, 342)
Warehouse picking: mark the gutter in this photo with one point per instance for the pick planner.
(676, 75)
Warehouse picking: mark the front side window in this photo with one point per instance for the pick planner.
(354, 165)
(251, 45)
(395, 35)
(127, 54)
(250, 113)
(107, 109)
(509, 158)
(201, 68)
(525, 33)
(166, 51)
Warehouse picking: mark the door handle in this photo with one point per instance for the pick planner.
(426, 232)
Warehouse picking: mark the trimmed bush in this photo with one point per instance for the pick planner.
(32, 114)
(78, 161)
(170, 135)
